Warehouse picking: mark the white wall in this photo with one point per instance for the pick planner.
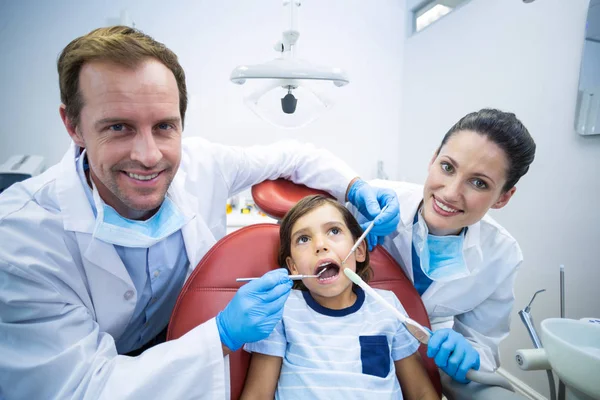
(524, 58)
(211, 38)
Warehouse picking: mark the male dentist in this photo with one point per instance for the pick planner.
(95, 251)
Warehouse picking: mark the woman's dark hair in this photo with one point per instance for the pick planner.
(507, 132)
(303, 207)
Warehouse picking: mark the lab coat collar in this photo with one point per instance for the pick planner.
(101, 258)
(78, 216)
(409, 204)
(76, 211)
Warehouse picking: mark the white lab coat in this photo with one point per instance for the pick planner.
(479, 305)
(66, 297)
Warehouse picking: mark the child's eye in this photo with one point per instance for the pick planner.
(335, 231)
(302, 239)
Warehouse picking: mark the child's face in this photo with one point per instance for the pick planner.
(321, 239)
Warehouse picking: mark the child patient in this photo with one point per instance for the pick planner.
(333, 341)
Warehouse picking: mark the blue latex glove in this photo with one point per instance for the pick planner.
(453, 354)
(254, 310)
(369, 201)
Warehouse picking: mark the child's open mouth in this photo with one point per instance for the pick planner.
(329, 271)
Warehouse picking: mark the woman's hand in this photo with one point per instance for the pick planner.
(453, 354)
(370, 201)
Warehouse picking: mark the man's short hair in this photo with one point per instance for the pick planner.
(118, 44)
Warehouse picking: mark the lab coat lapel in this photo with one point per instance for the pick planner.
(112, 291)
(78, 216)
(109, 284)
(409, 203)
(197, 237)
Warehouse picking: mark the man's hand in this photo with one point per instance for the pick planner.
(254, 310)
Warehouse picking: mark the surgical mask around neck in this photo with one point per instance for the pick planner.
(113, 228)
(441, 257)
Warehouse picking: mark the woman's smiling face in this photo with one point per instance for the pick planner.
(465, 180)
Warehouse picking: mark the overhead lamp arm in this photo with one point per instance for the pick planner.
(291, 34)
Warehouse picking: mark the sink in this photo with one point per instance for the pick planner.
(573, 349)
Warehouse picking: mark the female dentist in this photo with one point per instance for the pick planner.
(462, 262)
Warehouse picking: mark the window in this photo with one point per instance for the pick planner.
(425, 13)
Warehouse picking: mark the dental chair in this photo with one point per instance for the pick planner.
(252, 251)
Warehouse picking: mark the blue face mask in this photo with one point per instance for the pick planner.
(115, 229)
(441, 257)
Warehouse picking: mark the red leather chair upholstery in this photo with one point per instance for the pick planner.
(276, 197)
(252, 251)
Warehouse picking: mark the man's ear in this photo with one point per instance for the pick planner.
(361, 251)
(71, 129)
(291, 265)
(504, 198)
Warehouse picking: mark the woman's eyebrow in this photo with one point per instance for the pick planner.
(481, 174)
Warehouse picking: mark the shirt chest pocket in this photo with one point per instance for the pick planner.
(375, 355)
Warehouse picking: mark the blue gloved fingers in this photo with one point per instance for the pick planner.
(371, 237)
(387, 198)
(280, 291)
(364, 197)
(471, 361)
(441, 358)
(453, 354)
(368, 197)
(371, 240)
(387, 221)
(436, 340)
(268, 281)
(274, 309)
(456, 358)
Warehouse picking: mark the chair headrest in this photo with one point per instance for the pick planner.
(277, 197)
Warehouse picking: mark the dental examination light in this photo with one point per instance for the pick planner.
(289, 93)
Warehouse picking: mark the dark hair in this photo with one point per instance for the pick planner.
(507, 132)
(303, 207)
(118, 44)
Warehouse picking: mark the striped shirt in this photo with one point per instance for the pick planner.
(338, 354)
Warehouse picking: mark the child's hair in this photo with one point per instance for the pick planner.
(303, 207)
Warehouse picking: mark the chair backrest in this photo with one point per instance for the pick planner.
(252, 251)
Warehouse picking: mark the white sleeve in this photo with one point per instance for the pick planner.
(53, 349)
(303, 163)
(488, 324)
